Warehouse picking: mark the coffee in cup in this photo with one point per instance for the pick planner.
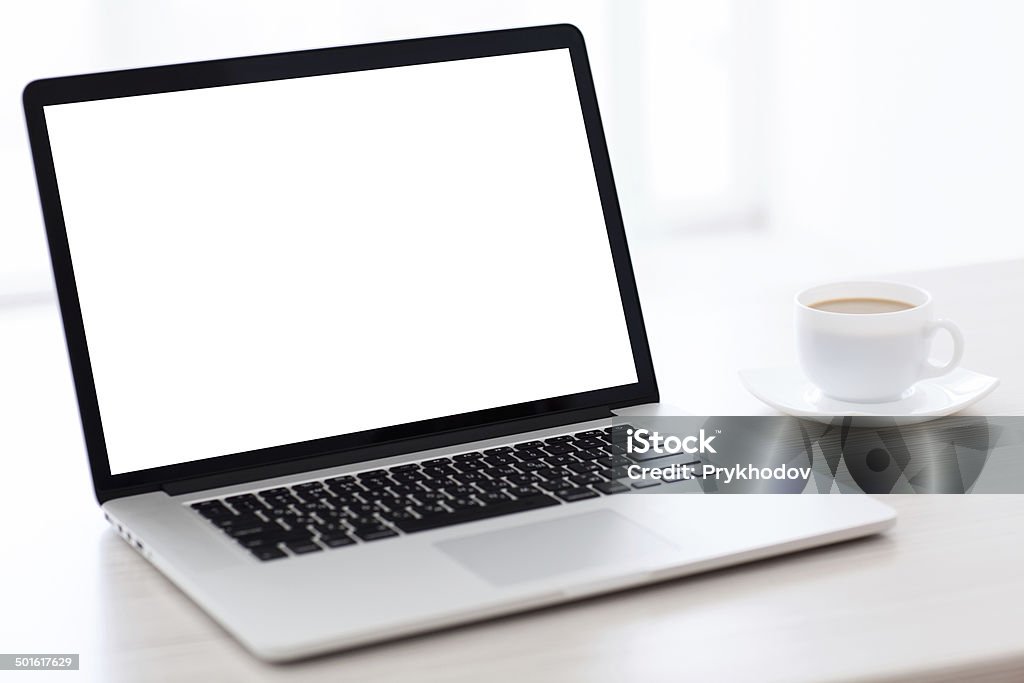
(862, 305)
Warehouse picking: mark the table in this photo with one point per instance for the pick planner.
(938, 598)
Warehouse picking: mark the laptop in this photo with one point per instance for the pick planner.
(351, 330)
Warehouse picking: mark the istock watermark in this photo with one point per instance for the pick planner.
(647, 441)
(678, 472)
(640, 441)
(779, 454)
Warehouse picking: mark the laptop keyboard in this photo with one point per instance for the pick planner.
(339, 512)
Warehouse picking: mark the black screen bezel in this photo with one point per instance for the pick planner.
(346, 448)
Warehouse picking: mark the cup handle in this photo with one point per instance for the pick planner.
(931, 369)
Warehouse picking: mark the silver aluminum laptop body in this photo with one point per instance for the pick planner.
(354, 596)
(225, 340)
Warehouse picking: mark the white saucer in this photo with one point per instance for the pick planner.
(787, 390)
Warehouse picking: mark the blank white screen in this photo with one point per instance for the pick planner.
(275, 262)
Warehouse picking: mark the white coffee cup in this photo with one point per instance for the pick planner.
(870, 357)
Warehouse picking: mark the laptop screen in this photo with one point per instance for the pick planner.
(275, 262)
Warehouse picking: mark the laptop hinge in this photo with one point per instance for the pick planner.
(384, 450)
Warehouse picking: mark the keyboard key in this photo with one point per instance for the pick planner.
(616, 461)
(298, 521)
(503, 450)
(336, 539)
(439, 482)
(246, 502)
(558, 439)
(549, 473)
(393, 515)
(281, 499)
(237, 521)
(556, 485)
(611, 487)
(251, 542)
(212, 509)
(646, 483)
(331, 515)
(387, 504)
(492, 497)
(274, 492)
(523, 480)
(617, 429)
(346, 489)
(470, 477)
(468, 457)
(558, 449)
(524, 492)
(586, 479)
(502, 471)
(587, 444)
(275, 536)
(581, 467)
(269, 552)
(529, 454)
(454, 489)
(372, 474)
(459, 491)
(257, 529)
(360, 510)
(592, 454)
(591, 433)
(374, 532)
(574, 494)
(438, 471)
(488, 485)
(330, 526)
(369, 522)
(528, 444)
(477, 513)
(430, 509)
(302, 547)
(378, 483)
(277, 512)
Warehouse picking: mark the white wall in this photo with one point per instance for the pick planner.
(898, 130)
(35, 39)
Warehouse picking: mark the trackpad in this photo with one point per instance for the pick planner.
(542, 549)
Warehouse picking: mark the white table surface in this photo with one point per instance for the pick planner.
(938, 598)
